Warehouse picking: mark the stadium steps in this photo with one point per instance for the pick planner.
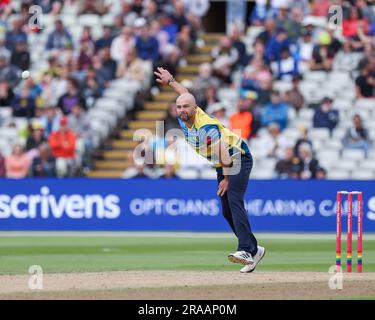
(166, 96)
(130, 133)
(197, 59)
(151, 115)
(192, 69)
(142, 124)
(124, 144)
(156, 106)
(212, 37)
(105, 173)
(111, 164)
(114, 162)
(115, 155)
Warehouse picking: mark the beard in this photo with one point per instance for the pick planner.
(184, 117)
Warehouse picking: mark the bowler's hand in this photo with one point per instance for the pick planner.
(163, 75)
(223, 187)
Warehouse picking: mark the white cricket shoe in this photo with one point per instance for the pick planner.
(241, 257)
(257, 258)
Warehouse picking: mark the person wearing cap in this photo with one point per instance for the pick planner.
(44, 165)
(326, 116)
(63, 146)
(323, 53)
(305, 46)
(231, 156)
(36, 137)
(218, 111)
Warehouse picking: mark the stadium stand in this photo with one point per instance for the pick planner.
(298, 81)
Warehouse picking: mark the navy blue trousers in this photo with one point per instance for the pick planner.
(233, 203)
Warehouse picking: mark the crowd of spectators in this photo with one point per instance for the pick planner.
(150, 33)
(291, 44)
(55, 99)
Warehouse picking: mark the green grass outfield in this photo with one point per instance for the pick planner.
(95, 252)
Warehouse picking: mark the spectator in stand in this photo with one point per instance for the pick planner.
(204, 80)
(63, 147)
(305, 47)
(321, 173)
(196, 9)
(147, 45)
(169, 172)
(80, 125)
(366, 11)
(3, 49)
(357, 136)
(320, 8)
(6, 93)
(86, 36)
(24, 104)
(91, 89)
(50, 121)
(266, 35)
(294, 96)
(184, 34)
(132, 67)
(323, 54)
(308, 165)
(289, 19)
(286, 67)
(238, 44)
(225, 57)
(242, 119)
(304, 138)
(277, 42)
(85, 55)
(168, 51)
(17, 164)
(287, 167)
(294, 24)
(171, 121)
(15, 35)
(43, 165)
(122, 44)
(325, 116)
(36, 137)
(21, 56)
(262, 12)
(109, 65)
(54, 69)
(71, 97)
(105, 41)
(60, 38)
(210, 97)
(9, 72)
(276, 111)
(2, 166)
(351, 24)
(272, 143)
(365, 82)
(218, 111)
(92, 7)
